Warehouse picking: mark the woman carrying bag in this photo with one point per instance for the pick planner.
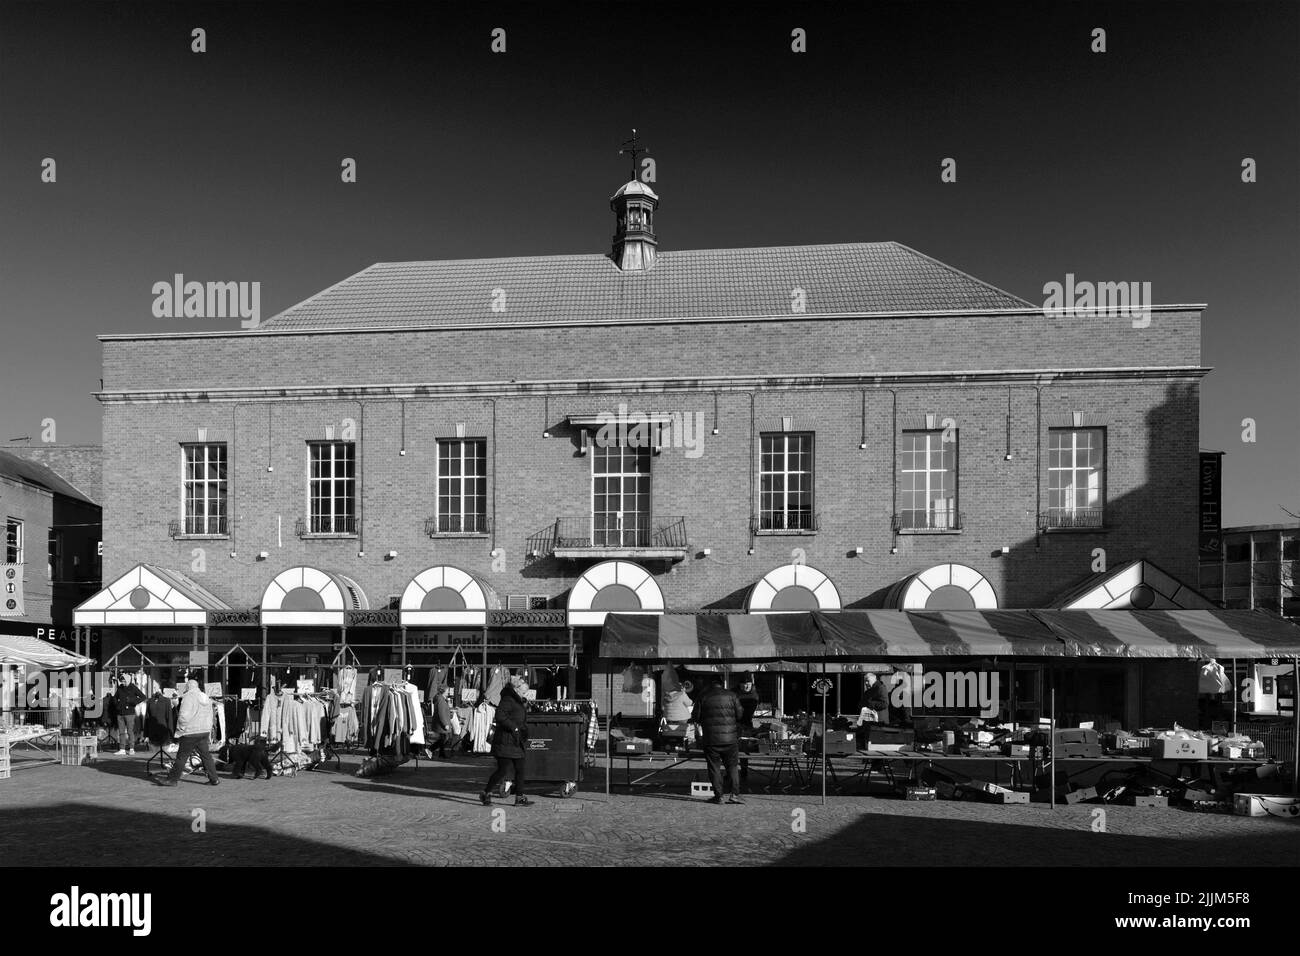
(510, 734)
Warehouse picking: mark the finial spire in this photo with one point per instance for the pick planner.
(632, 146)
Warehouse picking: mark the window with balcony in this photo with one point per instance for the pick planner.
(928, 481)
(1076, 477)
(462, 486)
(204, 489)
(332, 488)
(13, 541)
(620, 496)
(786, 482)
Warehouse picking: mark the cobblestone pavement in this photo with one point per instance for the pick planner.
(111, 814)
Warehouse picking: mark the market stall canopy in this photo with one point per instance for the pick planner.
(1174, 634)
(890, 634)
(713, 637)
(887, 633)
(33, 652)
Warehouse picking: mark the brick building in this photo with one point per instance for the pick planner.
(51, 541)
(497, 452)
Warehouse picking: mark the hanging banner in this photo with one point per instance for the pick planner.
(1210, 485)
(11, 590)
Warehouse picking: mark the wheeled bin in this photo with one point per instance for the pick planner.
(555, 747)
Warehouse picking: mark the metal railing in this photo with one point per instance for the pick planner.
(1077, 518)
(326, 524)
(458, 524)
(198, 525)
(919, 520)
(784, 521)
(604, 531)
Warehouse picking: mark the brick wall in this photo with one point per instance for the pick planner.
(1152, 441)
(683, 351)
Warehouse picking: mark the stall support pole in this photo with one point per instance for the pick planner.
(207, 637)
(609, 726)
(1295, 718)
(1051, 780)
(403, 647)
(573, 667)
(266, 663)
(826, 733)
(485, 681)
(1234, 696)
(194, 637)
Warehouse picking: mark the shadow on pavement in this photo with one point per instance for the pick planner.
(77, 834)
(893, 840)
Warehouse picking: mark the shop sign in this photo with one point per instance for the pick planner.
(1210, 486)
(11, 590)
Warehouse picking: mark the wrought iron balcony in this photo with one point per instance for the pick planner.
(1062, 520)
(458, 524)
(326, 525)
(922, 522)
(783, 522)
(198, 525)
(612, 535)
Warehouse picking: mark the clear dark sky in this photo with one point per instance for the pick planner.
(225, 166)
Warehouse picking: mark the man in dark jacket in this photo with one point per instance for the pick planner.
(511, 734)
(721, 715)
(876, 696)
(126, 699)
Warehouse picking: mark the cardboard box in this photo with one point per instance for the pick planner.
(919, 793)
(1141, 800)
(837, 742)
(1015, 750)
(631, 746)
(701, 790)
(1175, 748)
(1081, 795)
(1011, 796)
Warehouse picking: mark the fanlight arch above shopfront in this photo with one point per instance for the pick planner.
(148, 594)
(613, 586)
(307, 596)
(792, 588)
(944, 587)
(446, 596)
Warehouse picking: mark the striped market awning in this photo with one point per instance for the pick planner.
(888, 633)
(881, 634)
(1173, 634)
(711, 637)
(34, 652)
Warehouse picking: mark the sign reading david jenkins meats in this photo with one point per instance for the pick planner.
(1210, 483)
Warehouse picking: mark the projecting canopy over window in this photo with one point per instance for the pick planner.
(613, 586)
(308, 596)
(446, 596)
(793, 587)
(944, 587)
(148, 594)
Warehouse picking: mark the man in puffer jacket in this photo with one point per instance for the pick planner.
(193, 727)
(721, 715)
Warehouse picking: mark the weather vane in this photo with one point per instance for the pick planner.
(633, 147)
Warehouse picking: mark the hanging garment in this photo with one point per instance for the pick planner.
(1213, 679)
(271, 718)
(496, 681)
(345, 726)
(417, 715)
(347, 685)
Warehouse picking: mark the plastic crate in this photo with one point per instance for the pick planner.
(1278, 739)
(78, 751)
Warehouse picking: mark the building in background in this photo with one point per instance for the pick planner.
(495, 454)
(1257, 567)
(51, 560)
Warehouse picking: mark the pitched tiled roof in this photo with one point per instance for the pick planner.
(34, 473)
(849, 278)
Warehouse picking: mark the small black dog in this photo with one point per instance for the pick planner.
(242, 756)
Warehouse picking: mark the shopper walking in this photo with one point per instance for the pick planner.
(721, 715)
(440, 722)
(508, 742)
(193, 728)
(125, 701)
